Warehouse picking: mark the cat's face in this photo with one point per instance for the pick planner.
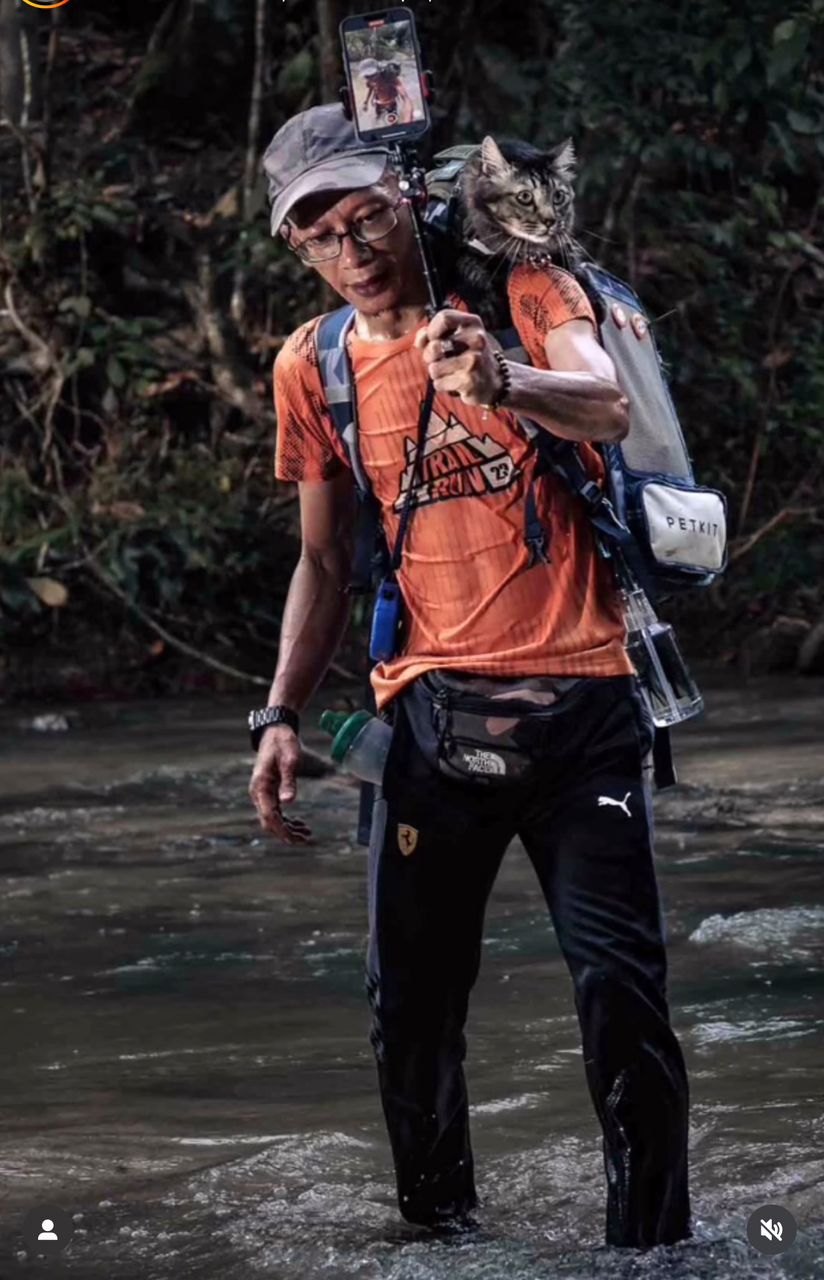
(530, 201)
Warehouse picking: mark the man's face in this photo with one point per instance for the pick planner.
(373, 277)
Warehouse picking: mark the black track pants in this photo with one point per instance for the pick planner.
(435, 851)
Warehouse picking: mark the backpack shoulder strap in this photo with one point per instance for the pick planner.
(534, 532)
(338, 386)
(596, 282)
(339, 390)
(562, 458)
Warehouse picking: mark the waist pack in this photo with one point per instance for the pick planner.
(484, 739)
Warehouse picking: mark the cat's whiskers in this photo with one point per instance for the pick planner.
(596, 236)
(506, 253)
(576, 248)
(514, 250)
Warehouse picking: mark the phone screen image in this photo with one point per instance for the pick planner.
(384, 76)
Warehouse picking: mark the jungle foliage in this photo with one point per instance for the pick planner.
(143, 542)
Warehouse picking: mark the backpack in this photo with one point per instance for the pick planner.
(674, 530)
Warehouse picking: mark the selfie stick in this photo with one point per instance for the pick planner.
(412, 186)
(413, 195)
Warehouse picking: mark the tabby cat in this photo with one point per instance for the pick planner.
(515, 204)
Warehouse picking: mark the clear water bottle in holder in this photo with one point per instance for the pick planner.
(661, 669)
(360, 742)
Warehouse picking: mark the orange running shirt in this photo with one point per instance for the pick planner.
(472, 602)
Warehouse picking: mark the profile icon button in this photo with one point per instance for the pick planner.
(47, 1230)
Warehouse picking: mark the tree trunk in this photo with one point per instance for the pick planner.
(331, 76)
(176, 80)
(252, 177)
(331, 80)
(21, 92)
(42, 178)
(21, 98)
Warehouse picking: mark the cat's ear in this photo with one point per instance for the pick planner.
(564, 159)
(493, 163)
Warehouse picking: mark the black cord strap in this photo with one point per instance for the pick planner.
(406, 513)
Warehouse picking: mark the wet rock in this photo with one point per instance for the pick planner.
(776, 647)
(51, 722)
(811, 653)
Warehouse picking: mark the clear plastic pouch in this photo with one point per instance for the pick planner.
(672, 693)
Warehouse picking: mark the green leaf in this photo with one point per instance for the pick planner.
(802, 123)
(79, 304)
(721, 96)
(297, 74)
(16, 595)
(115, 372)
(109, 217)
(742, 58)
(787, 55)
(784, 31)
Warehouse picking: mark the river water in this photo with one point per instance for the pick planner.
(186, 1067)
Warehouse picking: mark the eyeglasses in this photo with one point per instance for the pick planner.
(374, 226)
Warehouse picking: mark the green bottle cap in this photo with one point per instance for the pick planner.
(345, 727)
(331, 721)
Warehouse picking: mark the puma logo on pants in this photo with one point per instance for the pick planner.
(619, 804)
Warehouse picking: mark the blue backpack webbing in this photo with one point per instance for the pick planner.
(678, 527)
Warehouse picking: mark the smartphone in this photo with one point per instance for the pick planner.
(384, 75)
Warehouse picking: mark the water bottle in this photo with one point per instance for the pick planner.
(360, 742)
(661, 669)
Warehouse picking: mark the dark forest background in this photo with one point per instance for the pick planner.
(144, 545)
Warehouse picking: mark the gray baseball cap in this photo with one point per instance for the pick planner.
(317, 150)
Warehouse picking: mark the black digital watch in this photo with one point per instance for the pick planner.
(260, 720)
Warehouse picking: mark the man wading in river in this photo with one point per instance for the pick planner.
(479, 619)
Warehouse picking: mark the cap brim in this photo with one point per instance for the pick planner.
(343, 173)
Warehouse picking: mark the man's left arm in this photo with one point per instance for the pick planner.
(578, 398)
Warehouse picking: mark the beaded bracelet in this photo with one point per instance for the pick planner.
(506, 384)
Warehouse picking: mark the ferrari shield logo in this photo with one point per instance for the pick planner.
(407, 838)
